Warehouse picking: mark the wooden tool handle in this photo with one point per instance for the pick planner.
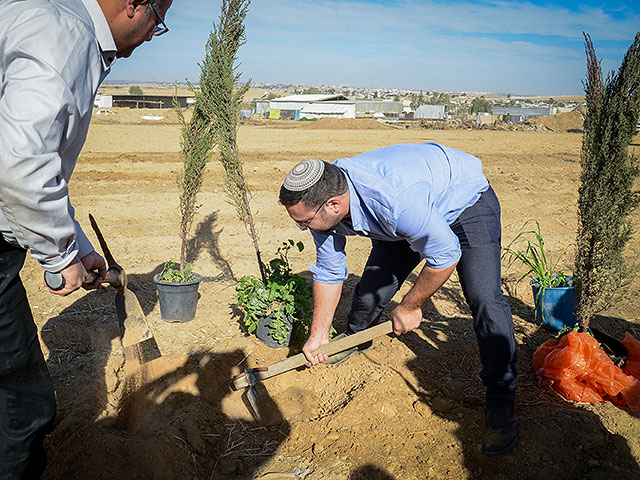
(55, 281)
(331, 348)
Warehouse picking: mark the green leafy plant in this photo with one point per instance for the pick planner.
(528, 251)
(527, 248)
(282, 294)
(171, 273)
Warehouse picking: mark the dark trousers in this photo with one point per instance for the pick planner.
(479, 231)
(27, 401)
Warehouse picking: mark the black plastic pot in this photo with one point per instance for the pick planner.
(178, 301)
(263, 332)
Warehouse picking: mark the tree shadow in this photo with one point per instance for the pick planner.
(172, 419)
(208, 238)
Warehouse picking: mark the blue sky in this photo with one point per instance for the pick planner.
(533, 47)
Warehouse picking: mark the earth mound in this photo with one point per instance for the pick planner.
(572, 121)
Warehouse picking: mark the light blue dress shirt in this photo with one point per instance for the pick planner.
(407, 192)
(53, 56)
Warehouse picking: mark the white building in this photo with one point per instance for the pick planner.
(297, 102)
(293, 107)
(103, 101)
(430, 112)
(329, 109)
(368, 108)
(518, 114)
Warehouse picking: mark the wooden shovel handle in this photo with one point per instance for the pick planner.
(331, 348)
(114, 278)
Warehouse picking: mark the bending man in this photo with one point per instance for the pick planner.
(53, 56)
(416, 202)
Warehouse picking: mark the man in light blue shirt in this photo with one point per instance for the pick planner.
(54, 54)
(416, 202)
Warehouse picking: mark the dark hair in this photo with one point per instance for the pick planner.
(332, 183)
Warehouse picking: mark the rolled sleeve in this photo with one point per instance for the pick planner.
(331, 260)
(425, 228)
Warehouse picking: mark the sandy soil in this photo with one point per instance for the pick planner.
(409, 408)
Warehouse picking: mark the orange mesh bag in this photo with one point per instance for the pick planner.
(580, 371)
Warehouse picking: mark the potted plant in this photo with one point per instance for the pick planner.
(177, 291)
(214, 122)
(553, 291)
(279, 305)
(177, 284)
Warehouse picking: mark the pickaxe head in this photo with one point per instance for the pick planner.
(249, 379)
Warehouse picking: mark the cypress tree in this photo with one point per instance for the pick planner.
(606, 195)
(222, 93)
(215, 122)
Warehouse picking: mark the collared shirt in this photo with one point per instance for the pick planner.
(53, 56)
(407, 192)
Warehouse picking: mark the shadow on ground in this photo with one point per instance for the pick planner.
(558, 439)
(165, 420)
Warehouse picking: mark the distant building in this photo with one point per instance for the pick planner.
(103, 101)
(518, 114)
(367, 108)
(295, 107)
(148, 101)
(344, 109)
(430, 112)
(261, 107)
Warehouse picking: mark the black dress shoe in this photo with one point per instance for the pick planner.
(502, 432)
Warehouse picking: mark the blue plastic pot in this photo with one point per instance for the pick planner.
(555, 306)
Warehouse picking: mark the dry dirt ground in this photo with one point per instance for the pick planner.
(409, 408)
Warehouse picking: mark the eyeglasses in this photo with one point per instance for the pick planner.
(161, 27)
(304, 225)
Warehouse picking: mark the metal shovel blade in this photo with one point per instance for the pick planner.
(134, 324)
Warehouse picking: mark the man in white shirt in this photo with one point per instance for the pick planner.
(54, 54)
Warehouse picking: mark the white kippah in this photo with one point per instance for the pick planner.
(304, 175)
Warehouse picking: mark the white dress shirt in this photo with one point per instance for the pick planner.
(54, 54)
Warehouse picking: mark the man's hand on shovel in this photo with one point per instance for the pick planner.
(74, 275)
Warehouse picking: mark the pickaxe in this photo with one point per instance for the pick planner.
(138, 341)
(250, 378)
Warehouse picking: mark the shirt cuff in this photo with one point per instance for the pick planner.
(59, 263)
(322, 276)
(444, 259)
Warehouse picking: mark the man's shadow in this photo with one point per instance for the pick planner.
(448, 379)
(172, 422)
(174, 418)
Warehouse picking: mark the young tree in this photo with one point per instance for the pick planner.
(606, 195)
(480, 104)
(135, 90)
(222, 96)
(196, 143)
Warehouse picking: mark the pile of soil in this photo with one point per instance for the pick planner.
(347, 124)
(563, 122)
